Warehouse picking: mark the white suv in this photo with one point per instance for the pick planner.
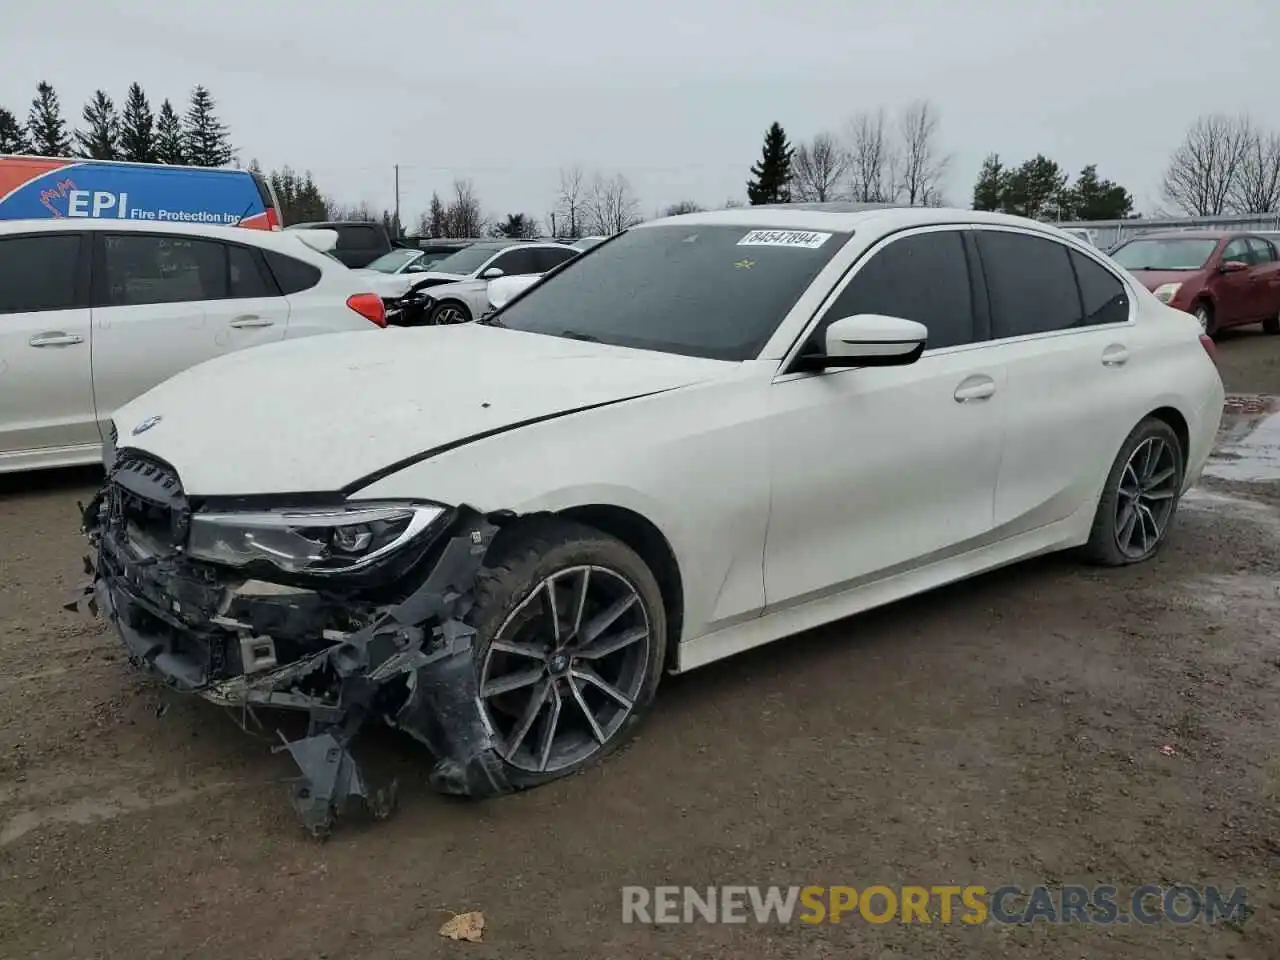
(95, 312)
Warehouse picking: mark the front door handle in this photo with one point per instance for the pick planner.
(252, 320)
(979, 387)
(55, 338)
(1116, 355)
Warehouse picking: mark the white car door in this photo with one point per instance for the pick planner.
(253, 310)
(1067, 346)
(879, 469)
(46, 390)
(161, 305)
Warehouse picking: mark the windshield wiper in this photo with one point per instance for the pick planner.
(490, 320)
(576, 335)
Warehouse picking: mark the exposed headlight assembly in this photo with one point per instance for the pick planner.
(322, 541)
(1167, 291)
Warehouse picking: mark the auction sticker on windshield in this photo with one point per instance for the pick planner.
(807, 239)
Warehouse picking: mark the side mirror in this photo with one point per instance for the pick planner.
(869, 340)
(1233, 266)
(415, 268)
(491, 274)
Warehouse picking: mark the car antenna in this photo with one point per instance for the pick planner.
(243, 215)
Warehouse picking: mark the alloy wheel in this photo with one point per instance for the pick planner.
(1202, 314)
(450, 314)
(564, 670)
(1147, 495)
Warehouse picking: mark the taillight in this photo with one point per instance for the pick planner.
(369, 306)
(1210, 347)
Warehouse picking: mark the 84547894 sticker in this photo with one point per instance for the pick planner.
(805, 239)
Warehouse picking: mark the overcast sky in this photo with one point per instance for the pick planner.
(675, 94)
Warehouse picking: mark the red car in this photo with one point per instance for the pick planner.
(1225, 279)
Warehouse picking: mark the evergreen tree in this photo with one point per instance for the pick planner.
(137, 128)
(168, 142)
(988, 192)
(1094, 199)
(771, 177)
(204, 137)
(1037, 189)
(13, 136)
(517, 226)
(100, 140)
(46, 130)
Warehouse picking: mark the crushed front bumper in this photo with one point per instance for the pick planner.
(339, 659)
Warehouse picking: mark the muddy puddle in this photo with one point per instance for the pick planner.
(1248, 448)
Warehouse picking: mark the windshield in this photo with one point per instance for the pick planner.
(395, 260)
(701, 291)
(1173, 253)
(467, 260)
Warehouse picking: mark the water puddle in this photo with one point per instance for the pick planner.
(1248, 447)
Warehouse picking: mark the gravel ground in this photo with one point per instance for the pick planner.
(1050, 723)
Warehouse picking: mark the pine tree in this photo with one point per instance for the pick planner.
(1094, 199)
(988, 192)
(137, 128)
(46, 129)
(13, 136)
(771, 177)
(101, 138)
(204, 136)
(168, 142)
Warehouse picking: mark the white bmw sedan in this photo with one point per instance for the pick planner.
(707, 434)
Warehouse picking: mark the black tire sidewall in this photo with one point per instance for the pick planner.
(1102, 547)
(448, 305)
(524, 559)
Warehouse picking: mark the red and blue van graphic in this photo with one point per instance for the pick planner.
(44, 187)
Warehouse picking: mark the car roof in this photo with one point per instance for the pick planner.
(280, 240)
(843, 217)
(1191, 234)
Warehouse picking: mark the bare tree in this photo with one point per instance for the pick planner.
(1257, 187)
(922, 164)
(463, 215)
(817, 167)
(871, 158)
(610, 205)
(1204, 170)
(572, 200)
(684, 206)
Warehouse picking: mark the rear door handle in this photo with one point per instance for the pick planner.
(55, 338)
(252, 320)
(1116, 355)
(978, 387)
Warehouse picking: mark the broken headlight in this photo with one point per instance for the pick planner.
(321, 541)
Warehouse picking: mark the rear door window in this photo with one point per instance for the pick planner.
(1261, 251)
(291, 274)
(516, 263)
(1104, 297)
(140, 269)
(245, 274)
(39, 273)
(923, 277)
(357, 237)
(1031, 283)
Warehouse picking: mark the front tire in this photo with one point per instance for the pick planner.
(1140, 497)
(450, 312)
(570, 640)
(1271, 325)
(1204, 313)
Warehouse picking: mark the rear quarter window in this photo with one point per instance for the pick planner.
(291, 274)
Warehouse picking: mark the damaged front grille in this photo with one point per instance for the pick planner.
(145, 507)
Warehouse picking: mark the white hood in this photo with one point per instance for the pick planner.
(316, 414)
(389, 286)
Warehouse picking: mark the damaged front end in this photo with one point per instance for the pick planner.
(342, 612)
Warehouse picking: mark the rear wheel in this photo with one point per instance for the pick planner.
(1204, 313)
(450, 311)
(1140, 497)
(571, 634)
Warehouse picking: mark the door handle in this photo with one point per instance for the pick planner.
(252, 320)
(975, 388)
(1116, 355)
(55, 338)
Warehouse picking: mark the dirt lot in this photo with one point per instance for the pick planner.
(1046, 724)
